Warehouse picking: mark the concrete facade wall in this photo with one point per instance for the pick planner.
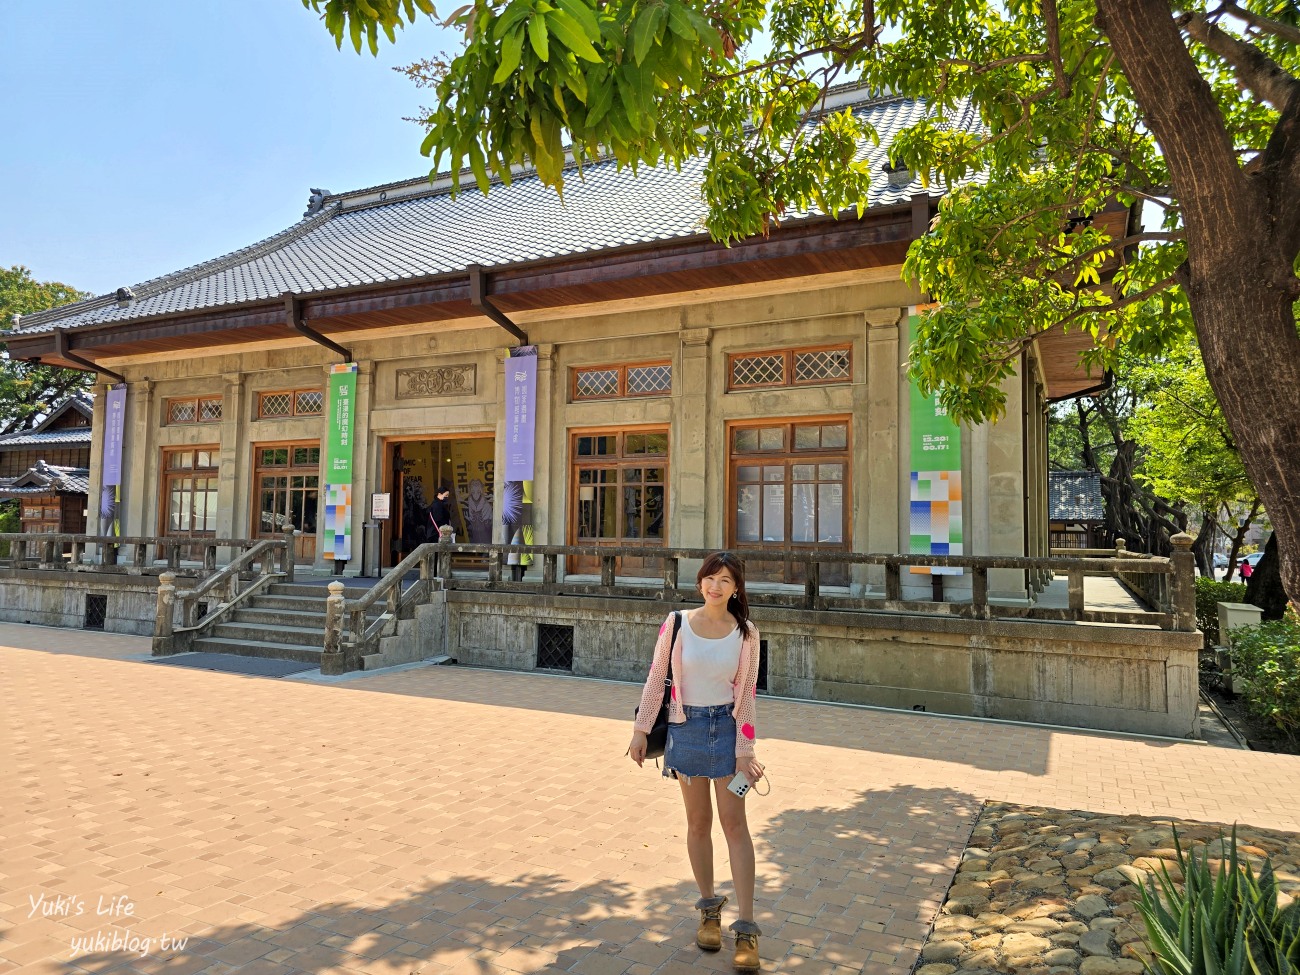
(1103, 677)
(695, 332)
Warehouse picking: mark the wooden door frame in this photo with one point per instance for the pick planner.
(164, 473)
(571, 472)
(254, 513)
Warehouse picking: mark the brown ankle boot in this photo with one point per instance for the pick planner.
(709, 936)
(746, 933)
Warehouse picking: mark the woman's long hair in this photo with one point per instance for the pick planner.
(738, 604)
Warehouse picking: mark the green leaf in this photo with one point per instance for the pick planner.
(537, 35)
(585, 17)
(511, 53)
(571, 35)
(645, 31)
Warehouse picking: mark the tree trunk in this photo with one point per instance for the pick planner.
(1203, 544)
(1264, 587)
(1240, 278)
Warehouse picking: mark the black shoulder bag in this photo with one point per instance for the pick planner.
(657, 737)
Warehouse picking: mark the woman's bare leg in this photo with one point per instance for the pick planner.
(740, 846)
(699, 830)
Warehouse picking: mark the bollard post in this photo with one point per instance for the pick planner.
(163, 631)
(1183, 584)
(332, 659)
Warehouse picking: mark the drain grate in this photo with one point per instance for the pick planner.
(554, 647)
(96, 611)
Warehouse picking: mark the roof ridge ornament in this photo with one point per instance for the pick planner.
(316, 202)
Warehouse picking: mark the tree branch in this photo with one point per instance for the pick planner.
(1052, 25)
(1256, 70)
(1111, 245)
(1261, 23)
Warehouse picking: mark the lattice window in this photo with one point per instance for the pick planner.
(209, 411)
(791, 367)
(767, 369)
(309, 402)
(821, 366)
(554, 647)
(612, 382)
(596, 383)
(645, 380)
(96, 612)
(181, 411)
(276, 404)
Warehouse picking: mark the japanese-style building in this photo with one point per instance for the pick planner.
(686, 393)
(46, 469)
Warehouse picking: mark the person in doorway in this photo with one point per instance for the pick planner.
(440, 511)
(711, 739)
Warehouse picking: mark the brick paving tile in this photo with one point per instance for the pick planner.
(406, 824)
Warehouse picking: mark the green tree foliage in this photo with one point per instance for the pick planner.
(1191, 107)
(28, 392)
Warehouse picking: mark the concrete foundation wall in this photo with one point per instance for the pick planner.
(59, 599)
(1112, 678)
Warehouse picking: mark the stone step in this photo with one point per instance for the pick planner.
(297, 636)
(320, 592)
(302, 604)
(257, 648)
(313, 615)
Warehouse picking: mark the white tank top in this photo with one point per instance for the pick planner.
(709, 667)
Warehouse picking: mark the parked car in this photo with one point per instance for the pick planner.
(1220, 560)
(1253, 558)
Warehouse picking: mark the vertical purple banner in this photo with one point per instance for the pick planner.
(110, 495)
(521, 408)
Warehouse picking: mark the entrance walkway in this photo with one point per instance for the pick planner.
(444, 820)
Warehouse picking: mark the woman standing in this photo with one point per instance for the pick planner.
(711, 738)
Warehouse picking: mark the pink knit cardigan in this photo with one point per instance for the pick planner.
(744, 687)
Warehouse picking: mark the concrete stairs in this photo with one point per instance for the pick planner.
(286, 622)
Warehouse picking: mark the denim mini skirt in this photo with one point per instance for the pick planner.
(704, 745)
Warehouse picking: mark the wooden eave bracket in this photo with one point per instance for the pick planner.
(479, 299)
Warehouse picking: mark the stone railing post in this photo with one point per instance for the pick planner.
(444, 556)
(163, 629)
(332, 659)
(1183, 584)
(288, 557)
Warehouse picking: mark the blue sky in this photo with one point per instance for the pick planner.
(145, 136)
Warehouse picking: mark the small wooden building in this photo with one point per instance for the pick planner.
(1078, 510)
(47, 469)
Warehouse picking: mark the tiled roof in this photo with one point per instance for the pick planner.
(69, 437)
(1075, 496)
(415, 229)
(43, 478)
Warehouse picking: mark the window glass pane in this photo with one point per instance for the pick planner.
(209, 410)
(774, 473)
(805, 472)
(656, 443)
(297, 483)
(758, 370)
(634, 444)
(835, 436)
(632, 475)
(644, 380)
(185, 460)
(180, 411)
(204, 459)
(586, 476)
(309, 508)
(747, 473)
(267, 458)
(746, 440)
(596, 383)
(266, 502)
(830, 514)
(806, 438)
(654, 509)
(830, 472)
(824, 365)
(607, 505)
(281, 456)
(631, 512)
(300, 456)
(774, 512)
(771, 438)
(803, 516)
(747, 516)
(654, 474)
(276, 404)
(309, 402)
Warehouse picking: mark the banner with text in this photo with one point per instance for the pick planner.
(341, 421)
(110, 493)
(935, 513)
(521, 433)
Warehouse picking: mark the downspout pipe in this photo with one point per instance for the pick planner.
(479, 299)
(293, 311)
(62, 351)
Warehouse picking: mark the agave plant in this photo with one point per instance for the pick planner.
(1224, 923)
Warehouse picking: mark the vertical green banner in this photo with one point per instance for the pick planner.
(340, 422)
(935, 513)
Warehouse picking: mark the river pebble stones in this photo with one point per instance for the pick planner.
(1054, 892)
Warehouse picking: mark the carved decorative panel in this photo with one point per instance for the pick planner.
(436, 381)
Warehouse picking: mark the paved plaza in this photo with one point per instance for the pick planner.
(447, 820)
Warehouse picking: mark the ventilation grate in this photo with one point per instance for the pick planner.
(554, 647)
(762, 666)
(96, 611)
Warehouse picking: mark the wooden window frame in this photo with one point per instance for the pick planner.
(621, 369)
(787, 456)
(788, 356)
(289, 470)
(198, 402)
(619, 460)
(293, 395)
(165, 474)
